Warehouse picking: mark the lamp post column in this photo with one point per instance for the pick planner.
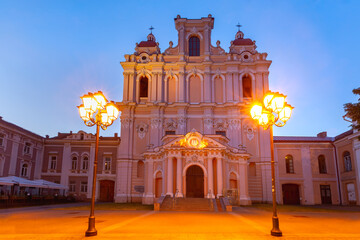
(91, 229)
(275, 231)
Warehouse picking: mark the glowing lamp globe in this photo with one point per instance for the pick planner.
(264, 119)
(285, 113)
(89, 102)
(277, 103)
(100, 100)
(112, 110)
(267, 100)
(84, 114)
(256, 111)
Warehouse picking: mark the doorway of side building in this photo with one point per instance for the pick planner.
(291, 194)
(107, 191)
(325, 194)
(194, 182)
(158, 185)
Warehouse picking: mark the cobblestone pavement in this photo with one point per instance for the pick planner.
(243, 223)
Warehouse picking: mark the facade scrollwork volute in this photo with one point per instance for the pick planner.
(126, 122)
(220, 124)
(170, 124)
(156, 123)
(234, 124)
(249, 131)
(142, 129)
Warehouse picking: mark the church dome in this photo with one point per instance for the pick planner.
(151, 41)
(240, 40)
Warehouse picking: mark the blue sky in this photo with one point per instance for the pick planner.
(52, 52)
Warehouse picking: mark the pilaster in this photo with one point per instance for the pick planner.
(308, 198)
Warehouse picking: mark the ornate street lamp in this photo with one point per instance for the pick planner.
(273, 110)
(96, 110)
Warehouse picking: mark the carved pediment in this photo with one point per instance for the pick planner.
(194, 140)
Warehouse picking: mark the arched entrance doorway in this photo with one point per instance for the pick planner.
(106, 191)
(291, 194)
(195, 182)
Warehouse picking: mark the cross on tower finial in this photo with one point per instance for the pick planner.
(151, 28)
(238, 25)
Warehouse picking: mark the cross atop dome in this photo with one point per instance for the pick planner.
(151, 28)
(238, 26)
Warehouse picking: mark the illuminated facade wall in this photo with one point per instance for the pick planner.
(200, 88)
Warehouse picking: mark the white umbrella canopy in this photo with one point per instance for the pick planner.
(11, 180)
(49, 184)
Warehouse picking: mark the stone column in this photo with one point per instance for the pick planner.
(126, 87)
(14, 155)
(170, 177)
(210, 178)
(137, 90)
(219, 177)
(229, 88)
(258, 85)
(131, 90)
(39, 162)
(149, 195)
(154, 87)
(90, 168)
(65, 167)
(308, 198)
(187, 90)
(181, 40)
(182, 89)
(356, 150)
(160, 87)
(179, 176)
(244, 198)
(207, 86)
(236, 87)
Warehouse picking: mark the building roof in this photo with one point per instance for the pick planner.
(344, 134)
(147, 44)
(302, 139)
(65, 135)
(243, 41)
(20, 129)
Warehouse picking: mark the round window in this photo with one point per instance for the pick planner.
(246, 56)
(143, 58)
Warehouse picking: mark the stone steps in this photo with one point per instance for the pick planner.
(187, 204)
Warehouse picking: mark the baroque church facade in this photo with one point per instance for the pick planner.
(185, 116)
(186, 132)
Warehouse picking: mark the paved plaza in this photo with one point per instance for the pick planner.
(59, 222)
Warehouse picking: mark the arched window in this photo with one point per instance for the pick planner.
(74, 163)
(246, 85)
(322, 164)
(24, 170)
(347, 161)
(85, 163)
(289, 164)
(194, 46)
(144, 85)
(140, 169)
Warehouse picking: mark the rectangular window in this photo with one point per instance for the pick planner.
(85, 163)
(53, 160)
(72, 186)
(169, 132)
(27, 148)
(2, 139)
(83, 187)
(107, 164)
(325, 192)
(74, 163)
(222, 133)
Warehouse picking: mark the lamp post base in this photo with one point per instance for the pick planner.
(91, 229)
(276, 230)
